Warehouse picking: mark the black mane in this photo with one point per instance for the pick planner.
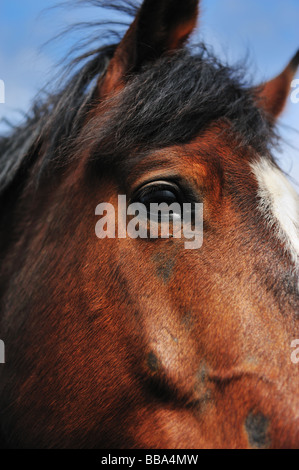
(169, 102)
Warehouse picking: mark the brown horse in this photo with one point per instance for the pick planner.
(141, 343)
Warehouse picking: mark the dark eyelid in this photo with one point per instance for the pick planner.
(151, 188)
(181, 187)
(166, 181)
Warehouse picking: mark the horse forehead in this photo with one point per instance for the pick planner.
(279, 204)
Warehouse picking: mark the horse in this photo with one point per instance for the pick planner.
(139, 343)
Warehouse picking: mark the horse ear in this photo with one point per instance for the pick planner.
(273, 95)
(160, 26)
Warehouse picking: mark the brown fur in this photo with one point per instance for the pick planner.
(124, 343)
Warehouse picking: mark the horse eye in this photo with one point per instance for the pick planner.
(159, 196)
(158, 193)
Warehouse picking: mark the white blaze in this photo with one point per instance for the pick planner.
(279, 204)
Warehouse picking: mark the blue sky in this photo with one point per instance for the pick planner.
(268, 30)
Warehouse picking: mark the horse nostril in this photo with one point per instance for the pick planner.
(257, 425)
